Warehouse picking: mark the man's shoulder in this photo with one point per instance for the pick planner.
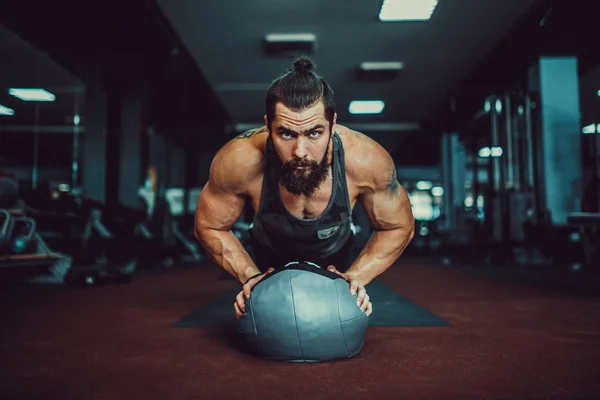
(365, 158)
(240, 160)
(361, 150)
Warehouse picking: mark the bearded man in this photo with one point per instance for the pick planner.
(303, 173)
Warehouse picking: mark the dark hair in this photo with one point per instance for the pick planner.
(300, 88)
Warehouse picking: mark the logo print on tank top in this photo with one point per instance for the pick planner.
(327, 232)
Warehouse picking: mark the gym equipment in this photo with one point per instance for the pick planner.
(24, 256)
(303, 313)
(4, 226)
(21, 235)
(16, 232)
(99, 273)
(9, 192)
(114, 258)
(589, 229)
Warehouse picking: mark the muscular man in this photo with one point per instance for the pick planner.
(302, 173)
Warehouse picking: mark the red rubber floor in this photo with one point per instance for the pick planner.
(509, 340)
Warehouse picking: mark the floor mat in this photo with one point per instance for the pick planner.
(390, 309)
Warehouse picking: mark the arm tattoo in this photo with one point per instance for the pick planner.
(251, 133)
(393, 184)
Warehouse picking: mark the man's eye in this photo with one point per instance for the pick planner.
(315, 134)
(286, 135)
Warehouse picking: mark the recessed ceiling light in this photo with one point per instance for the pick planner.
(6, 111)
(591, 128)
(366, 107)
(290, 43)
(290, 37)
(381, 66)
(486, 152)
(407, 10)
(32, 94)
(424, 185)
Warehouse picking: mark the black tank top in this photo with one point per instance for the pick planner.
(279, 231)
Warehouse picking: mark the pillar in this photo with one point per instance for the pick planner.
(93, 174)
(177, 165)
(454, 162)
(159, 159)
(556, 81)
(132, 144)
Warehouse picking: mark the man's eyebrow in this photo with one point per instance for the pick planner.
(282, 128)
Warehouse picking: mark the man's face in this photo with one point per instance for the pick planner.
(302, 142)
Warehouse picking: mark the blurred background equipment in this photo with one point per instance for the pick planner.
(121, 151)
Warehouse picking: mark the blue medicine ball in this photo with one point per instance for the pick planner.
(303, 313)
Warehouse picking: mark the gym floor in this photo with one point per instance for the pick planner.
(507, 336)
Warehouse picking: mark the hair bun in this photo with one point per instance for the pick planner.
(303, 65)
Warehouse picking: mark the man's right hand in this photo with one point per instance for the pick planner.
(240, 300)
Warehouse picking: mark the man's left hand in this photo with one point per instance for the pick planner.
(362, 300)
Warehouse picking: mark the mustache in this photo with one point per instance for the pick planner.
(301, 163)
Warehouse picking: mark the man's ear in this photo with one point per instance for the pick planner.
(267, 123)
(333, 124)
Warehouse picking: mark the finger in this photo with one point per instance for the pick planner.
(239, 299)
(365, 302)
(354, 285)
(361, 295)
(247, 289)
(369, 310)
(261, 277)
(331, 268)
(238, 312)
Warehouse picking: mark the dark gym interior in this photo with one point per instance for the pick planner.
(111, 113)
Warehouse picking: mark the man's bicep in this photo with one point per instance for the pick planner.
(218, 209)
(388, 209)
(222, 199)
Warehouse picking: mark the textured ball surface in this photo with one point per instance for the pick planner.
(303, 313)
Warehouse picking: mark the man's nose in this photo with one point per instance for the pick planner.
(300, 148)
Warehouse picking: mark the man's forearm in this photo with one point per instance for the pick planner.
(226, 250)
(381, 251)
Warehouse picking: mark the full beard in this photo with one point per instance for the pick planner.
(304, 181)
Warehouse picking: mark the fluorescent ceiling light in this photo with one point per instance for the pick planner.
(591, 128)
(6, 110)
(487, 152)
(488, 106)
(290, 37)
(32, 94)
(424, 185)
(366, 107)
(381, 66)
(498, 106)
(437, 191)
(407, 10)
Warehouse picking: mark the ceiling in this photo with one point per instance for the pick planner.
(207, 63)
(23, 66)
(225, 40)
